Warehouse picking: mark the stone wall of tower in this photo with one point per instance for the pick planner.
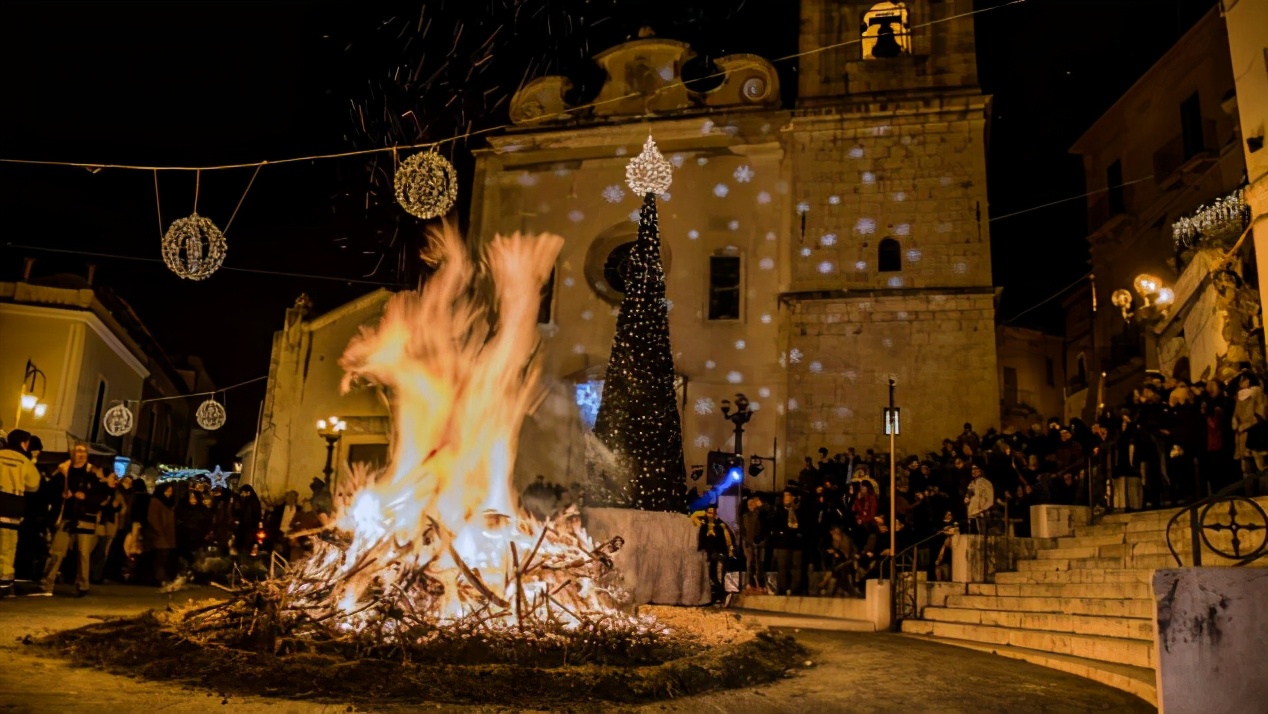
(913, 172)
(942, 56)
(938, 346)
(891, 151)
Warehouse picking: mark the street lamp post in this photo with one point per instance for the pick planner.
(739, 418)
(891, 429)
(330, 430)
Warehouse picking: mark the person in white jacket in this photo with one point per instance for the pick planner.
(18, 477)
(981, 498)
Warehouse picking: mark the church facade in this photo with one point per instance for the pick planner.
(811, 254)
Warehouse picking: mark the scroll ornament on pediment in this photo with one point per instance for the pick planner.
(645, 77)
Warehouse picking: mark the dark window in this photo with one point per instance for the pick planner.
(1010, 386)
(548, 299)
(1191, 126)
(616, 267)
(1114, 180)
(1081, 371)
(724, 287)
(95, 426)
(889, 256)
(1048, 372)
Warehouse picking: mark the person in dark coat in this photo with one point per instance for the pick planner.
(248, 519)
(193, 526)
(160, 531)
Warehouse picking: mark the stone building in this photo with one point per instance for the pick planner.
(84, 350)
(812, 253)
(1164, 149)
(1031, 377)
(1247, 26)
(303, 387)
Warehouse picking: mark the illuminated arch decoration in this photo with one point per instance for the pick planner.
(886, 31)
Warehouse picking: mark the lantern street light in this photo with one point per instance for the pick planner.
(34, 382)
(1156, 298)
(330, 430)
(739, 418)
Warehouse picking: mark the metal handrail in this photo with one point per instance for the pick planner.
(1198, 529)
(899, 593)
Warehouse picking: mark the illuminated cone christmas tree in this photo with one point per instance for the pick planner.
(638, 416)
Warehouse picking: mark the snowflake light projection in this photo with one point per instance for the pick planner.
(704, 406)
(743, 174)
(721, 190)
(613, 194)
(734, 377)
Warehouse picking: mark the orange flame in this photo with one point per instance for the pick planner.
(439, 528)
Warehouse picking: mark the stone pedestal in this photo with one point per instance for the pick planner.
(1057, 521)
(1211, 626)
(878, 604)
(659, 563)
(966, 559)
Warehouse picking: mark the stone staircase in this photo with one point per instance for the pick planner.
(1084, 604)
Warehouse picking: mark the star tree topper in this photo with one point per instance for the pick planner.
(649, 172)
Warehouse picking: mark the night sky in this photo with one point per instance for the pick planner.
(200, 83)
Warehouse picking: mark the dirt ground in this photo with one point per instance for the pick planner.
(848, 672)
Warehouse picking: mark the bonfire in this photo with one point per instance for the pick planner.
(434, 548)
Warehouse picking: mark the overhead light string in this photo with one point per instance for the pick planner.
(472, 133)
(244, 196)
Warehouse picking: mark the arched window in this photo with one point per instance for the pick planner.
(889, 257)
(885, 31)
(1080, 370)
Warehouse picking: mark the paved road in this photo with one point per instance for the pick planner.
(852, 673)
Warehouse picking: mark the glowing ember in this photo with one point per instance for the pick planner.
(437, 536)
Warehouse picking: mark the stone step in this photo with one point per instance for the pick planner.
(1092, 540)
(1066, 553)
(1102, 529)
(1050, 564)
(1209, 560)
(1083, 575)
(1100, 607)
(1092, 552)
(1129, 628)
(1116, 591)
(1139, 681)
(1135, 653)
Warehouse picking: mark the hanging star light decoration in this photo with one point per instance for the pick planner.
(426, 185)
(218, 478)
(649, 172)
(118, 420)
(210, 415)
(194, 247)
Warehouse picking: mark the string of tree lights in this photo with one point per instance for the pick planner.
(638, 416)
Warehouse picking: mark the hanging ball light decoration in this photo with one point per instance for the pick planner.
(210, 415)
(649, 172)
(426, 185)
(118, 420)
(194, 247)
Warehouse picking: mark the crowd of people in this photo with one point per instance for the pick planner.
(828, 530)
(120, 531)
(824, 534)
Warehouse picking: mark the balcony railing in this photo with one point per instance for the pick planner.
(1217, 224)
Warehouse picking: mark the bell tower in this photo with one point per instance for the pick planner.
(882, 47)
(889, 256)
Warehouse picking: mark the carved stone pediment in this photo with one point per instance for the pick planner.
(645, 77)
